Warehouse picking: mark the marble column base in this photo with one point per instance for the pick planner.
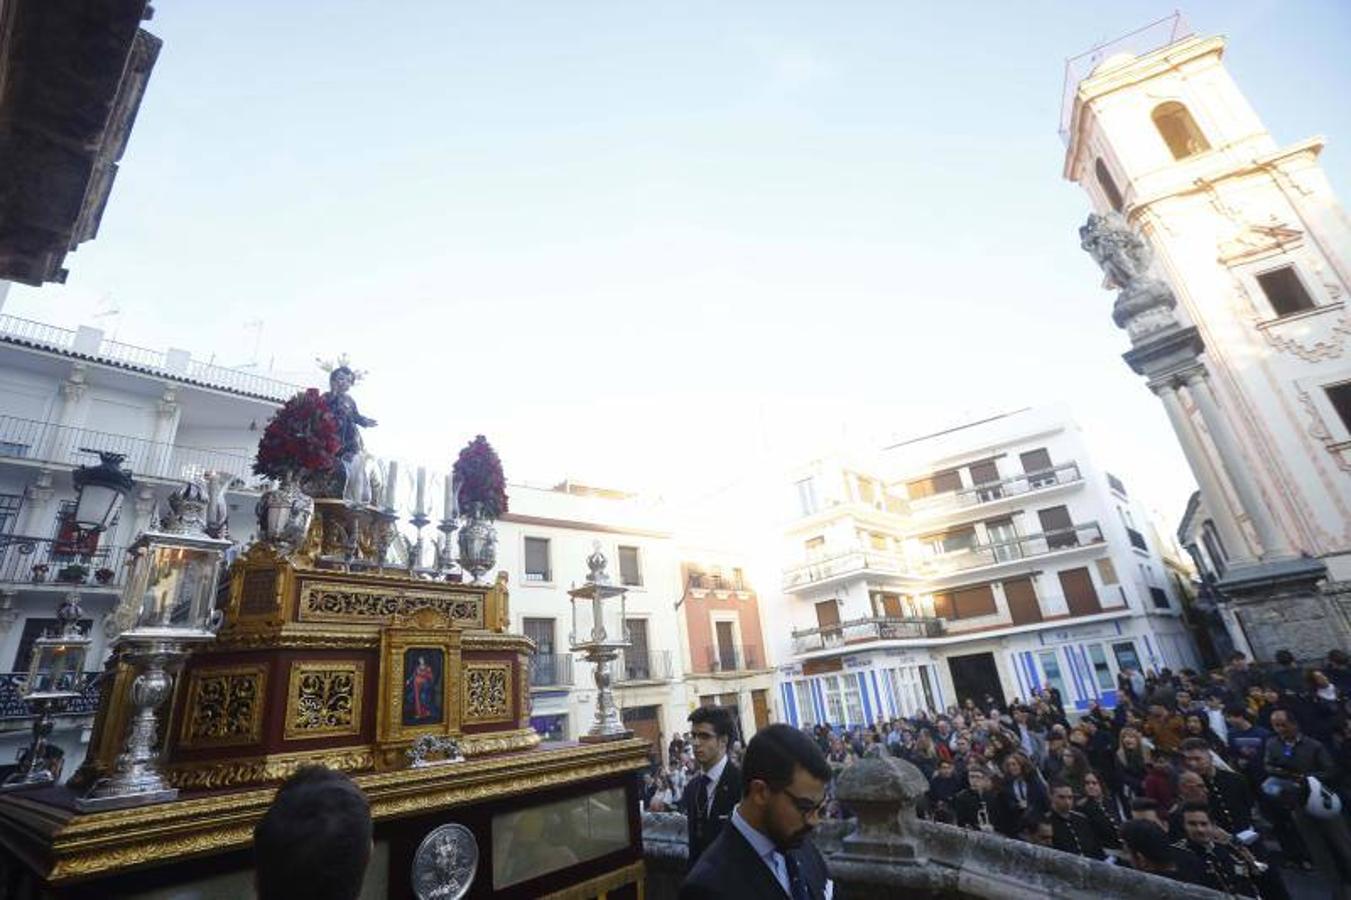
(1280, 606)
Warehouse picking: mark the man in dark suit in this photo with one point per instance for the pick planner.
(763, 853)
(1071, 831)
(709, 797)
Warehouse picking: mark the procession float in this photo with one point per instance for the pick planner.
(334, 638)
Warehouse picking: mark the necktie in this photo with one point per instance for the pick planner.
(797, 885)
(701, 797)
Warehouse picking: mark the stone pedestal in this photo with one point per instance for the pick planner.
(1279, 606)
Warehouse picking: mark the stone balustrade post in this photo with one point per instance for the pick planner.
(883, 792)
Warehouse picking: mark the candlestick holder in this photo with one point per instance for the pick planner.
(604, 641)
(385, 530)
(418, 520)
(445, 548)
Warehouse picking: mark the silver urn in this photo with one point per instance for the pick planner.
(478, 543)
(284, 514)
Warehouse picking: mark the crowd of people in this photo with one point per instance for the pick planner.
(1218, 778)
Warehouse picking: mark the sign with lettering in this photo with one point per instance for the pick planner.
(1082, 633)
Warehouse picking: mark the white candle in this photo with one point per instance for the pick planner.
(421, 508)
(392, 485)
(448, 506)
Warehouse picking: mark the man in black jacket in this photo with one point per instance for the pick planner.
(1230, 801)
(763, 853)
(1071, 831)
(709, 797)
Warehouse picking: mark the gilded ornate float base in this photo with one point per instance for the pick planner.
(72, 847)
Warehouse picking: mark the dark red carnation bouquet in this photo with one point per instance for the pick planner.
(301, 439)
(478, 474)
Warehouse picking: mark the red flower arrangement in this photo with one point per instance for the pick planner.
(478, 473)
(301, 439)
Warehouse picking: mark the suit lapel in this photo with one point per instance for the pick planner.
(748, 865)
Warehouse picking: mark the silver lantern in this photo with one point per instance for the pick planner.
(167, 608)
(55, 676)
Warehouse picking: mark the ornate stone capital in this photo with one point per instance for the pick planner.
(41, 491)
(75, 384)
(168, 404)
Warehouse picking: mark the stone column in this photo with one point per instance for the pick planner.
(61, 442)
(1274, 544)
(168, 412)
(1212, 489)
(38, 518)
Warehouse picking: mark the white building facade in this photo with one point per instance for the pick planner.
(65, 392)
(543, 544)
(990, 559)
(1256, 379)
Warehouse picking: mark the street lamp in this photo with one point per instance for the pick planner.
(99, 490)
(600, 633)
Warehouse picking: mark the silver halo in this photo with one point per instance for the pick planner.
(445, 863)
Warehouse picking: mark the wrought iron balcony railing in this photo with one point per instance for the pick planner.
(860, 631)
(12, 705)
(173, 364)
(975, 556)
(706, 582)
(551, 670)
(639, 665)
(990, 491)
(25, 559)
(1025, 546)
(733, 658)
(52, 443)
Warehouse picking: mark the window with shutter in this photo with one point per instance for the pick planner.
(984, 472)
(968, 603)
(1080, 595)
(537, 559)
(1057, 527)
(629, 572)
(943, 606)
(1022, 599)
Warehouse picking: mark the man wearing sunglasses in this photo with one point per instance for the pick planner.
(709, 798)
(765, 854)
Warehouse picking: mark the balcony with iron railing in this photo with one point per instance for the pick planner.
(865, 630)
(551, 670)
(702, 581)
(49, 443)
(862, 561)
(733, 657)
(13, 707)
(1024, 546)
(90, 343)
(643, 665)
(990, 492)
(847, 562)
(47, 561)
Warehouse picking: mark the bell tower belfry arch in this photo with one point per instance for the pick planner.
(1250, 240)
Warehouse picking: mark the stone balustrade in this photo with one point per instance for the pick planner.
(888, 851)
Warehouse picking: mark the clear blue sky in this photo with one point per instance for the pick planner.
(652, 245)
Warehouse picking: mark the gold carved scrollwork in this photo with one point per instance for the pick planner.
(486, 693)
(224, 707)
(323, 699)
(327, 602)
(276, 767)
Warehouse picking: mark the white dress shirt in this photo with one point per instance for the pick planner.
(714, 775)
(765, 849)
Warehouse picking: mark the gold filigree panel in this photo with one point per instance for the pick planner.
(485, 693)
(224, 707)
(333, 602)
(323, 699)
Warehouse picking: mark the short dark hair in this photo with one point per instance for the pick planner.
(1144, 804)
(1237, 711)
(1148, 840)
(1195, 806)
(1058, 782)
(717, 716)
(1194, 743)
(1284, 657)
(314, 841)
(773, 754)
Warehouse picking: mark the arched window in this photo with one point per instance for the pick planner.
(1108, 186)
(1178, 129)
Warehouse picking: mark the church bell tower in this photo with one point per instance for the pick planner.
(1257, 251)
